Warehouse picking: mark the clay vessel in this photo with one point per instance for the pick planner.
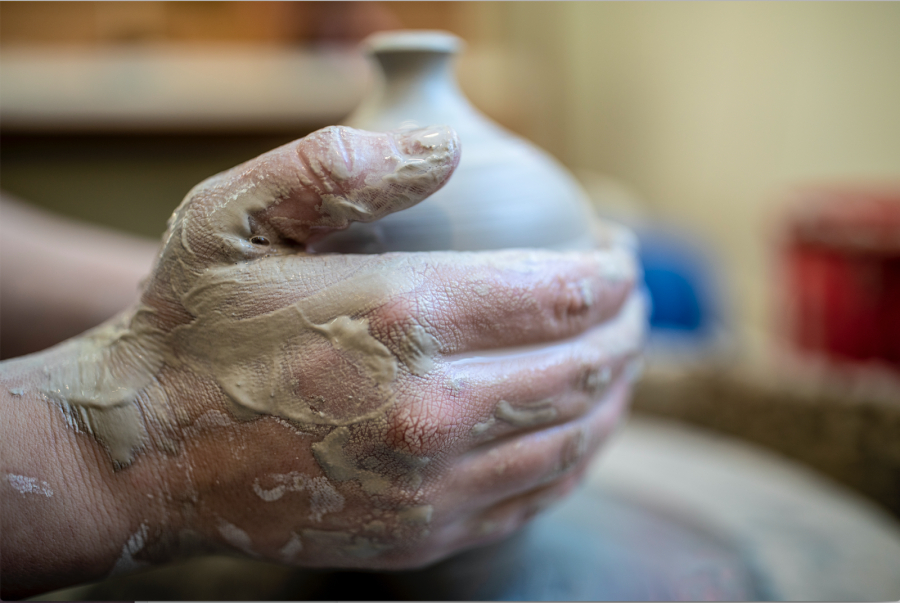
(506, 192)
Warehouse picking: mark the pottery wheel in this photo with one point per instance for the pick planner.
(668, 513)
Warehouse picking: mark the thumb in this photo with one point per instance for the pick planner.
(300, 192)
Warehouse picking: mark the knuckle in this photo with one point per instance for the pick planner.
(593, 379)
(572, 300)
(573, 450)
(395, 315)
(327, 158)
(419, 433)
(406, 329)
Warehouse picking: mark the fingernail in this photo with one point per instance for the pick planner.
(433, 141)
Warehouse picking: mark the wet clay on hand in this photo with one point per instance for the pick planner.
(336, 410)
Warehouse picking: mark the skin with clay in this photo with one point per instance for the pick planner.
(322, 410)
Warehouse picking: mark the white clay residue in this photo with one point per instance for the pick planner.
(574, 450)
(135, 543)
(416, 515)
(17, 391)
(323, 497)
(526, 415)
(457, 383)
(343, 542)
(481, 428)
(353, 336)
(120, 428)
(293, 546)
(406, 469)
(211, 420)
(418, 350)
(340, 467)
(340, 210)
(236, 537)
(270, 495)
(596, 380)
(587, 294)
(29, 485)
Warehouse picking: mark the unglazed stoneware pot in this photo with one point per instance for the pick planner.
(506, 192)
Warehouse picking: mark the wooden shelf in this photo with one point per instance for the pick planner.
(172, 87)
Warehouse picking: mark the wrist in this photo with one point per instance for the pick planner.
(69, 515)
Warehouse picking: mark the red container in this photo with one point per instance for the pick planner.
(842, 290)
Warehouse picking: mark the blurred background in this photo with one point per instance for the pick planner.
(754, 147)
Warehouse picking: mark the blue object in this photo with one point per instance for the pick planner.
(679, 280)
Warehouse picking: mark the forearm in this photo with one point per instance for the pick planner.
(60, 277)
(67, 516)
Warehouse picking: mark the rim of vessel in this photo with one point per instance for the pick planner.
(412, 39)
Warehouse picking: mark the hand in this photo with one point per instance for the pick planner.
(327, 410)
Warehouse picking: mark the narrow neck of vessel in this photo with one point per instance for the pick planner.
(417, 86)
(420, 78)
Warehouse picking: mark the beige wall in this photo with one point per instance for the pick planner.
(711, 111)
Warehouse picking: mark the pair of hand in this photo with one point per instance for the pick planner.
(321, 410)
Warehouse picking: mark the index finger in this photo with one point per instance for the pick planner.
(479, 301)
